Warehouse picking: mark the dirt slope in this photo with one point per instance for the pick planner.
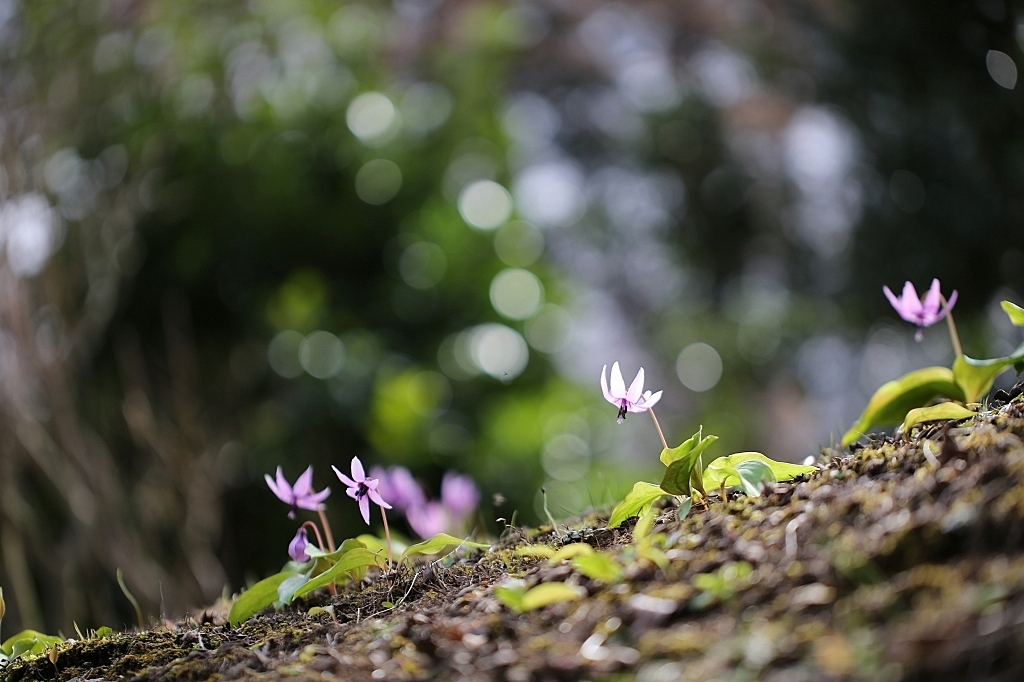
(891, 563)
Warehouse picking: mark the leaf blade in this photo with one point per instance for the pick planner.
(256, 598)
(351, 561)
(717, 472)
(941, 412)
(1014, 312)
(891, 402)
(442, 543)
(975, 377)
(642, 495)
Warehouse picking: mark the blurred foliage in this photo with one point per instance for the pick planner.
(261, 253)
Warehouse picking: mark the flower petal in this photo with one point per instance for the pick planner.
(344, 479)
(364, 508)
(313, 500)
(274, 489)
(618, 385)
(636, 389)
(284, 490)
(304, 483)
(911, 303)
(358, 473)
(377, 499)
(647, 400)
(604, 386)
(932, 302)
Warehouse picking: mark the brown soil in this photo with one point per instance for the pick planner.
(889, 564)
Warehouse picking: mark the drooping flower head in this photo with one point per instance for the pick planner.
(398, 485)
(633, 399)
(459, 494)
(298, 496)
(297, 547)
(362, 489)
(922, 313)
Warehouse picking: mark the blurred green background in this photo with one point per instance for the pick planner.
(289, 232)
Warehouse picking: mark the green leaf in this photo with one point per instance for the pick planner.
(752, 474)
(549, 593)
(287, 588)
(511, 594)
(571, 551)
(642, 495)
(684, 465)
(1014, 312)
(936, 413)
(598, 566)
(644, 524)
(891, 402)
(352, 561)
(975, 377)
(442, 543)
(256, 598)
(692, 446)
(723, 469)
(376, 544)
(28, 642)
(103, 631)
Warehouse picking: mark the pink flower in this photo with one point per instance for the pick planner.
(398, 485)
(300, 495)
(459, 494)
(632, 400)
(922, 313)
(362, 489)
(428, 520)
(297, 547)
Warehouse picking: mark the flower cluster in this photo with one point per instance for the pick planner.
(450, 514)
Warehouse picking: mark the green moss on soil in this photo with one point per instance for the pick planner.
(882, 566)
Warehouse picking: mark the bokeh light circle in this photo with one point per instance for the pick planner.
(485, 204)
(699, 367)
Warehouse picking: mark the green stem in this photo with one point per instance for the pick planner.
(327, 527)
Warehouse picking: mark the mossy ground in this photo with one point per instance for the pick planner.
(903, 560)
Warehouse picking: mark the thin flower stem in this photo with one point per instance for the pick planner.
(387, 534)
(327, 527)
(316, 530)
(661, 435)
(952, 327)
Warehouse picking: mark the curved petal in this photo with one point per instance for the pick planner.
(949, 303)
(932, 302)
(618, 385)
(304, 483)
(896, 303)
(636, 389)
(344, 479)
(284, 490)
(352, 492)
(274, 489)
(313, 500)
(377, 499)
(358, 473)
(911, 303)
(364, 508)
(604, 386)
(648, 400)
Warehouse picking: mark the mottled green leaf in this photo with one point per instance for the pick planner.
(975, 377)
(891, 402)
(1014, 312)
(642, 495)
(28, 642)
(684, 465)
(752, 474)
(598, 566)
(288, 587)
(256, 598)
(935, 413)
(442, 543)
(351, 561)
(724, 469)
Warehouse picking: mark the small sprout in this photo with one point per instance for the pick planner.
(576, 549)
(598, 566)
(131, 598)
(515, 596)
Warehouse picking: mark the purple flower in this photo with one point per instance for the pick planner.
(297, 547)
(362, 489)
(300, 495)
(459, 494)
(922, 313)
(428, 520)
(632, 400)
(398, 485)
